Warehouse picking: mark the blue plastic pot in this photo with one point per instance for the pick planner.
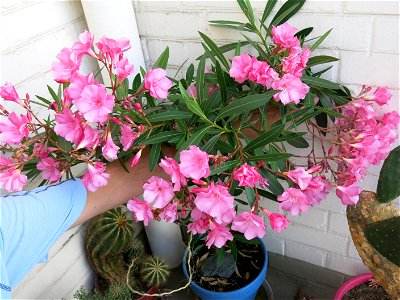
(247, 292)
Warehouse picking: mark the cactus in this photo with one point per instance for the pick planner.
(154, 271)
(135, 248)
(389, 177)
(118, 291)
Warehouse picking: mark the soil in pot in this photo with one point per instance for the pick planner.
(366, 291)
(250, 259)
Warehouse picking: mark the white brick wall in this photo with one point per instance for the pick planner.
(365, 37)
(31, 35)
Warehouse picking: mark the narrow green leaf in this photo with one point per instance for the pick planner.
(229, 47)
(215, 50)
(224, 167)
(288, 9)
(209, 146)
(250, 194)
(224, 147)
(195, 138)
(222, 83)
(200, 80)
(304, 32)
(162, 61)
(237, 49)
(136, 83)
(234, 251)
(320, 59)
(270, 157)
(160, 137)
(260, 51)
(320, 40)
(48, 102)
(304, 118)
(267, 10)
(154, 155)
(191, 103)
(265, 138)
(319, 82)
(267, 195)
(169, 115)
(190, 74)
(299, 142)
(245, 104)
(273, 184)
(289, 136)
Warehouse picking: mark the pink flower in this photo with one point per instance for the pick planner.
(348, 193)
(12, 180)
(171, 167)
(200, 224)
(218, 236)
(266, 75)
(78, 83)
(127, 136)
(249, 224)
(293, 90)
(381, 95)
(69, 126)
(296, 61)
(294, 201)
(136, 158)
(170, 212)
(84, 45)
(95, 177)
(215, 200)
(95, 104)
(68, 64)
(284, 35)
(278, 222)
(317, 190)
(192, 92)
(141, 210)
(110, 150)
(158, 190)
(49, 168)
(41, 151)
(391, 119)
(300, 177)
(89, 139)
(5, 162)
(194, 163)
(123, 69)
(111, 49)
(13, 128)
(8, 92)
(157, 83)
(241, 66)
(247, 175)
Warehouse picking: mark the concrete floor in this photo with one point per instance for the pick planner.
(285, 276)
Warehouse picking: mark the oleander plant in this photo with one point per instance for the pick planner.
(231, 119)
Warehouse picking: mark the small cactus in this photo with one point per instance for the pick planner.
(389, 178)
(118, 291)
(154, 271)
(135, 248)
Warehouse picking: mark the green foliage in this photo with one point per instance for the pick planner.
(384, 236)
(389, 178)
(154, 271)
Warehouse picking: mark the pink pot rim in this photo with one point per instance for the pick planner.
(351, 283)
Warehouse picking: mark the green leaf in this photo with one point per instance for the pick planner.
(162, 61)
(136, 83)
(222, 83)
(224, 167)
(215, 50)
(245, 104)
(169, 115)
(267, 194)
(265, 138)
(250, 194)
(260, 51)
(224, 147)
(160, 137)
(289, 136)
(303, 119)
(48, 102)
(270, 157)
(267, 10)
(304, 32)
(299, 142)
(240, 237)
(231, 25)
(54, 96)
(209, 146)
(154, 155)
(233, 247)
(237, 49)
(200, 80)
(389, 180)
(338, 99)
(245, 6)
(320, 40)
(190, 74)
(319, 82)
(320, 59)
(195, 138)
(228, 47)
(191, 103)
(288, 9)
(220, 256)
(273, 184)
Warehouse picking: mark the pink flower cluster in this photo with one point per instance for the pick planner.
(285, 76)
(366, 140)
(212, 206)
(310, 190)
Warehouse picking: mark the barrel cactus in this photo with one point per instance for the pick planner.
(154, 271)
(375, 226)
(135, 248)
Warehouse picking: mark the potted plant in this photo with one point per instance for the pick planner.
(375, 228)
(230, 122)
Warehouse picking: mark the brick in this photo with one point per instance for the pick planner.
(159, 5)
(338, 224)
(371, 69)
(174, 24)
(224, 6)
(372, 7)
(386, 34)
(302, 252)
(333, 203)
(345, 265)
(314, 218)
(332, 73)
(274, 244)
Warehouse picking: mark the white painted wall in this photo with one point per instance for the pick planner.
(365, 37)
(31, 35)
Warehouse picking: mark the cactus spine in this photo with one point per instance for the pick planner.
(154, 271)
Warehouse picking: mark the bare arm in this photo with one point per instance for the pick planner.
(121, 186)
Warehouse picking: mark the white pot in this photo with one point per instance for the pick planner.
(165, 241)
